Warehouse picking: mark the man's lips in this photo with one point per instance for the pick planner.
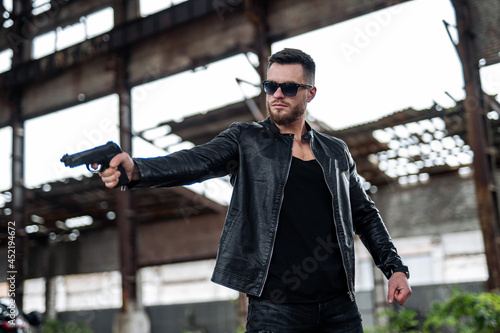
(278, 105)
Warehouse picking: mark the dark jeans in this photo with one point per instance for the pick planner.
(331, 316)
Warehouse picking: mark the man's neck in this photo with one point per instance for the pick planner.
(301, 148)
(297, 128)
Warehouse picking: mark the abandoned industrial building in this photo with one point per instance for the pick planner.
(160, 76)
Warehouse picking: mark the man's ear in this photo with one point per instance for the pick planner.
(311, 94)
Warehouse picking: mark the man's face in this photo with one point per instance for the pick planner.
(284, 110)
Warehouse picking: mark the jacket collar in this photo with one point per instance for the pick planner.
(272, 126)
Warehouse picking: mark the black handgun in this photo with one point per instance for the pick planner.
(100, 155)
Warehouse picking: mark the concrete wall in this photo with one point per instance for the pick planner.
(444, 204)
(216, 317)
(485, 16)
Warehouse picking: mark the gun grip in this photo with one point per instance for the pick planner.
(123, 180)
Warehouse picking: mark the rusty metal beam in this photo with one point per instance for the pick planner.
(61, 14)
(125, 10)
(126, 223)
(479, 140)
(170, 42)
(256, 12)
(123, 35)
(21, 14)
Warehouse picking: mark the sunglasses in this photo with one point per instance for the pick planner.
(288, 88)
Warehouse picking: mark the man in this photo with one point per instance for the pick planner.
(287, 241)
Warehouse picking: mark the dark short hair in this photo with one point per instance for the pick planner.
(294, 56)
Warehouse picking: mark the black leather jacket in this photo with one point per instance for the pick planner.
(258, 158)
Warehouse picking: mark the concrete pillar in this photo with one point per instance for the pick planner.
(50, 283)
(380, 303)
(132, 318)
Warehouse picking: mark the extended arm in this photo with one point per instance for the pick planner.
(216, 158)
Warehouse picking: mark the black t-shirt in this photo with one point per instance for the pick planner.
(306, 264)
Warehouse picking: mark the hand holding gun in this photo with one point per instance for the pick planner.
(99, 159)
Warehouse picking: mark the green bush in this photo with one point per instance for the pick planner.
(465, 312)
(56, 326)
(462, 312)
(397, 322)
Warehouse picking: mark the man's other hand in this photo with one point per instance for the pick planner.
(399, 288)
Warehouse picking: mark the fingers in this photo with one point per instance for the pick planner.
(401, 296)
(111, 175)
(390, 296)
(117, 160)
(399, 289)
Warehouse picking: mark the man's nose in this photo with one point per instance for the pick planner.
(278, 93)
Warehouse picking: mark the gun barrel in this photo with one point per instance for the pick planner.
(100, 155)
(66, 160)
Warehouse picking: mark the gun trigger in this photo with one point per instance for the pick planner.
(98, 169)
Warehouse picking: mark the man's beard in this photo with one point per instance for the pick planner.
(286, 118)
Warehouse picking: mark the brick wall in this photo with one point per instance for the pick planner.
(485, 15)
(442, 205)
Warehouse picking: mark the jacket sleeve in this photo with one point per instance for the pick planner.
(216, 158)
(369, 226)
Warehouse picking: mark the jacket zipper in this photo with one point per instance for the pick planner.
(277, 222)
(350, 287)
